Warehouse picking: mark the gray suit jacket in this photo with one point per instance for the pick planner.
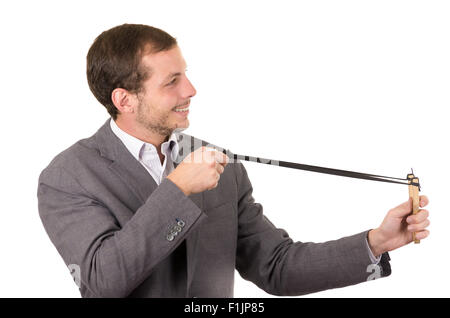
(130, 237)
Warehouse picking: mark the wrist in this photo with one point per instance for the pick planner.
(179, 184)
(375, 241)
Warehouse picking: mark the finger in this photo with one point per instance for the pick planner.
(406, 207)
(423, 201)
(422, 234)
(216, 182)
(218, 156)
(222, 158)
(403, 209)
(209, 154)
(219, 168)
(417, 218)
(197, 156)
(419, 226)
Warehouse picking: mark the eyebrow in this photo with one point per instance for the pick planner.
(171, 75)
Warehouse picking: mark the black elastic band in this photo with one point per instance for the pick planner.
(338, 172)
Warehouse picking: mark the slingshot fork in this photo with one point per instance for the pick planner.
(414, 188)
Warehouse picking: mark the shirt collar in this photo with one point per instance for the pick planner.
(135, 146)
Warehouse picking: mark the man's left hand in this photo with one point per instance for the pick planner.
(398, 226)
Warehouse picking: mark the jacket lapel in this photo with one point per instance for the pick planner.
(123, 164)
(141, 183)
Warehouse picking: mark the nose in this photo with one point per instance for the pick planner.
(188, 89)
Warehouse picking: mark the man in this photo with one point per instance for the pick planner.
(141, 209)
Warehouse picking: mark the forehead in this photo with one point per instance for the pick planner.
(164, 63)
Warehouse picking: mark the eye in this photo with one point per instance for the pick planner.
(173, 81)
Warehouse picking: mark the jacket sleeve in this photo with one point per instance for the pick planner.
(268, 257)
(112, 260)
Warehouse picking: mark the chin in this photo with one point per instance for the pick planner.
(181, 127)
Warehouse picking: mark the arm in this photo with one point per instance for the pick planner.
(113, 261)
(268, 257)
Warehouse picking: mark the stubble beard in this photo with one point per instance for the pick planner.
(158, 126)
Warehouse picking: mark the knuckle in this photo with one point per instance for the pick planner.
(214, 185)
(423, 217)
(225, 159)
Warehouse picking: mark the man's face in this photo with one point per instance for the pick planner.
(165, 93)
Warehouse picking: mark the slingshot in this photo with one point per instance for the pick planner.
(411, 180)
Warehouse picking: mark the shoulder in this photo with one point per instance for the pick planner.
(72, 160)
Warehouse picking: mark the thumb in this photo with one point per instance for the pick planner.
(403, 209)
(222, 158)
(219, 156)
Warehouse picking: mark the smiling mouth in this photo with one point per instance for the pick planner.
(182, 108)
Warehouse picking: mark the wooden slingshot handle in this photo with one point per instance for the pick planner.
(414, 194)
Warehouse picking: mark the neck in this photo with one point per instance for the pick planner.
(142, 134)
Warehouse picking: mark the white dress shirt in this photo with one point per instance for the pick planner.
(147, 155)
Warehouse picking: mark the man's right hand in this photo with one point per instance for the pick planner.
(199, 171)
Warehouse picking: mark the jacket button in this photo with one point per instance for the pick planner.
(169, 237)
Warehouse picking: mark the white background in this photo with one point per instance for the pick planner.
(356, 85)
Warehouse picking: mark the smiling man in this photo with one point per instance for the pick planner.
(141, 209)
(150, 115)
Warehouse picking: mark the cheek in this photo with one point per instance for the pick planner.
(160, 103)
(168, 102)
(163, 100)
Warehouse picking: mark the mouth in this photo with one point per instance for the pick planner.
(183, 108)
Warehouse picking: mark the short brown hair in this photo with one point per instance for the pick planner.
(114, 60)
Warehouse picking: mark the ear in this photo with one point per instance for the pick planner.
(124, 101)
